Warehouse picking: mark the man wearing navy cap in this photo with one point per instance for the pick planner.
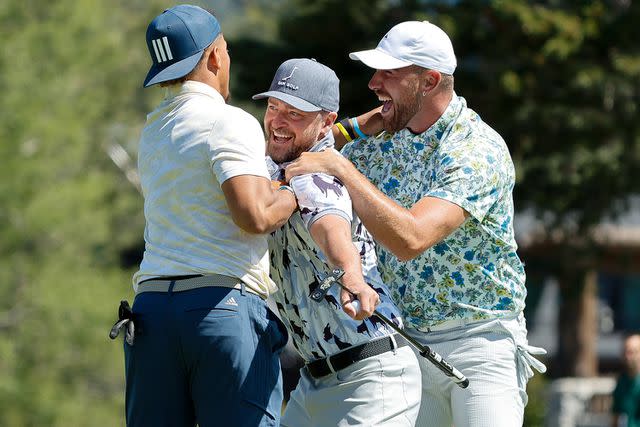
(357, 370)
(435, 191)
(206, 346)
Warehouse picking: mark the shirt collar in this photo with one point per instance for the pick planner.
(324, 143)
(440, 129)
(192, 86)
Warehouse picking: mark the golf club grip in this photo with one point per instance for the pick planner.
(448, 369)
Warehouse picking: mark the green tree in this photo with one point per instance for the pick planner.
(68, 215)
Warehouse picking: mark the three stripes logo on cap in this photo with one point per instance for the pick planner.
(162, 50)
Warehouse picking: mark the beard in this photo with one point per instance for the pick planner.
(283, 153)
(403, 111)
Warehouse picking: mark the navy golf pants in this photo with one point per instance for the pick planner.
(208, 356)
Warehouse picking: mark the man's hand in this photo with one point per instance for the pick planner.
(367, 297)
(327, 161)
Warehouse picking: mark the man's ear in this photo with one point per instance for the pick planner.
(330, 119)
(327, 123)
(213, 61)
(430, 80)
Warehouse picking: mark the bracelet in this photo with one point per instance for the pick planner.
(356, 128)
(287, 188)
(346, 123)
(344, 132)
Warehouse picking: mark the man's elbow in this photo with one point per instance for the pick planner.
(407, 255)
(253, 224)
(256, 228)
(408, 250)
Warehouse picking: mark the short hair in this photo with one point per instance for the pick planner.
(446, 83)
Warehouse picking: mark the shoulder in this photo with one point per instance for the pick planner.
(471, 139)
(237, 118)
(367, 146)
(471, 130)
(236, 125)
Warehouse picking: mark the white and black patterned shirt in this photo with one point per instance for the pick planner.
(320, 329)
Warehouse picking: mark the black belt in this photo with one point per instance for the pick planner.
(321, 367)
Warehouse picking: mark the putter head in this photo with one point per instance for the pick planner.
(325, 284)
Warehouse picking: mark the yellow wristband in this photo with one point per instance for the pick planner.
(344, 132)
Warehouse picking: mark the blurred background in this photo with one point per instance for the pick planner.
(560, 80)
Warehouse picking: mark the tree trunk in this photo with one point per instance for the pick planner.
(578, 324)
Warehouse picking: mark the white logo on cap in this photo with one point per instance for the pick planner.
(162, 49)
(283, 81)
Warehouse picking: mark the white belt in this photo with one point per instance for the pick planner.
(450, 324)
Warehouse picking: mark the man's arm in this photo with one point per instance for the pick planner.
(369, 123)
(405, 232)
(255, 206)
(333, 235)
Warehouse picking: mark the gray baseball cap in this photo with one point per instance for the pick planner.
(306, 85)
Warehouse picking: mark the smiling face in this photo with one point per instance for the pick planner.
(290, 131)
(400, 90)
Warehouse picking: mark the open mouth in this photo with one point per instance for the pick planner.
(280, 137)
(387, 104)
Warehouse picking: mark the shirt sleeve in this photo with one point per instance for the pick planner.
(237, 146)
(473, 174)
(318, 195)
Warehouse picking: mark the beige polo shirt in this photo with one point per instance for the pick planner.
(193, 142)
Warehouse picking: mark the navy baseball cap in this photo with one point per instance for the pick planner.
(176, 40)
(306, 85)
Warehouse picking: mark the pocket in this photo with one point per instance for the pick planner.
(280, 335)
(268, 418)
(371, 367)
(218, 312)
(221, 302)
(262, 388)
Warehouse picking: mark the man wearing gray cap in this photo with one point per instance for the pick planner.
(357, 370)
(435, 191)
(206, 345)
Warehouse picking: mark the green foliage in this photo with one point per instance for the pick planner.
(535, 410)
(68, 214)
(554, 85)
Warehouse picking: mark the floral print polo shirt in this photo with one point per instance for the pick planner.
(474, 273)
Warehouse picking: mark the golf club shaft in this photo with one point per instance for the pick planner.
(425, 351)
(448, 369)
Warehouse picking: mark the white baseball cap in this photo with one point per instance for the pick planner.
(412, 42)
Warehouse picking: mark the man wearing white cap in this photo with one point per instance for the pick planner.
(206, 345)
(435, 191)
